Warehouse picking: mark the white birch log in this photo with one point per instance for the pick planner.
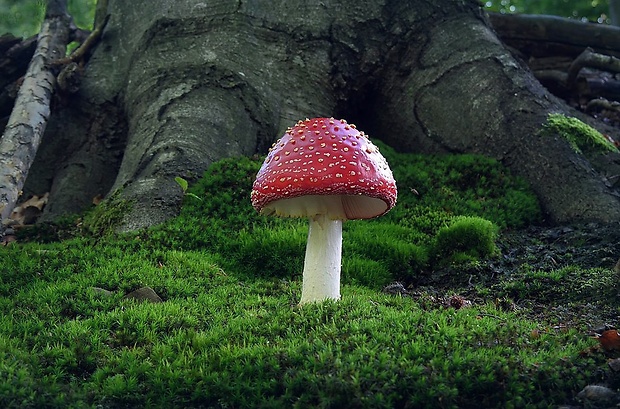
(23, 132)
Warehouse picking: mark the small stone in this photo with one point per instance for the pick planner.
(395, 288)
(144, 294)
(597, 395)
(614, 364)
(101, 291)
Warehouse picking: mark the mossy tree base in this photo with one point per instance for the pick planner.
(167, 92)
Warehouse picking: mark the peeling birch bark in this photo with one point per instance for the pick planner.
(28, 119)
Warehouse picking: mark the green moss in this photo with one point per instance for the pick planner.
(220, 340)
(366, 272)
(62, 228)
(465, 239)
(580, 136)
(432, 192)
(562, 286)
(400, 254)
(434, 188)
(225, 189)
(105, 217)
(95, 222)
(229, 332)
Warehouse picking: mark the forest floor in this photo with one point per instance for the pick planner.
(563, 279)
(529, 340)
(523, 279)
(548, 273)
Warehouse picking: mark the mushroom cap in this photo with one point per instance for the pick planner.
(324, 166)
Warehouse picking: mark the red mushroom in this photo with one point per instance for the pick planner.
(326, 170)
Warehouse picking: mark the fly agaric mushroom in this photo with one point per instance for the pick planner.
(328, 171)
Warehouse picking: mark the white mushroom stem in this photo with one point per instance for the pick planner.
(321, 279)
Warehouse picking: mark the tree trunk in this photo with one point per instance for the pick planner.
(178, 85)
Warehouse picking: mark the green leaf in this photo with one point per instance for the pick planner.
(182, 182)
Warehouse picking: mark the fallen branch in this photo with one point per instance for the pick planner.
(542, 36)
(583, 87)
(588, 58)
(28, 119)
(87, 45)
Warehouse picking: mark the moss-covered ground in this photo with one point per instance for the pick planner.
(478, 319)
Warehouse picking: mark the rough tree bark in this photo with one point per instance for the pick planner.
(174, 86)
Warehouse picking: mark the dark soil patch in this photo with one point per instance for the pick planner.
(583, 297)
(588, 246)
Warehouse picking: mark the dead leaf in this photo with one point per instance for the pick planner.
(36, 201)
(28, 211)
(8, 239)
(97, 199)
